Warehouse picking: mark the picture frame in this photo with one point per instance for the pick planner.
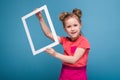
(56, 42)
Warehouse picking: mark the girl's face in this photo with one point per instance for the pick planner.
(72, 27)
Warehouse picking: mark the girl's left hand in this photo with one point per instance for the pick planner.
(51, 51)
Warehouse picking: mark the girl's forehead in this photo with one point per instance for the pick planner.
(68, 18)
(73, 19)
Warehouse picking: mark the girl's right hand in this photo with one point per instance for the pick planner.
(39, 15)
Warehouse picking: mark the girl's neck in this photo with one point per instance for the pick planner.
(74, 39)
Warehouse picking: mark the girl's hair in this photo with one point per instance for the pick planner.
(77, 13)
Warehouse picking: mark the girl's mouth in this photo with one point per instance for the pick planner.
(73, 32)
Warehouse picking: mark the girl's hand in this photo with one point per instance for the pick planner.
(39, 15)
(51, 51)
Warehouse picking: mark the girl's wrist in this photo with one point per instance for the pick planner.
(54, 54)
(41, 18)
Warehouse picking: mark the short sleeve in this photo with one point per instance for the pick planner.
(62, 39)
(84, 44)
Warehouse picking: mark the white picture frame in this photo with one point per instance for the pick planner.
(56, 42)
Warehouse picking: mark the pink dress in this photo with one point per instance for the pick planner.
(75, 71)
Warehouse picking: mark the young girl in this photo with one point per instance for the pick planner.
(76, 46)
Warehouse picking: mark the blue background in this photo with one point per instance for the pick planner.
(101, 25)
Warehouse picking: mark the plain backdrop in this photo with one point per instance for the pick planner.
(100, 24)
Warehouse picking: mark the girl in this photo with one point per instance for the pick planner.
(76, 46)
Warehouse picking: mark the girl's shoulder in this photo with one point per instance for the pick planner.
(83, 41)
(63, 39)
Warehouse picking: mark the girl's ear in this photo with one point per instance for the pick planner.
(80, 25)
(64, 28)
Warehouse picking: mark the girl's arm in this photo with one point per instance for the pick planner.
(68, 59)
(44, 27)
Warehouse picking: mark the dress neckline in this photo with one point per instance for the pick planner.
(75, 39)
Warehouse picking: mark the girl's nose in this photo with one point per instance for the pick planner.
(72, 28)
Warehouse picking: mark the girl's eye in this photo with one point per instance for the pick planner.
(75, 24)
(68, 26)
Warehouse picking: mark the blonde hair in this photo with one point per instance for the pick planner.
(77, 13)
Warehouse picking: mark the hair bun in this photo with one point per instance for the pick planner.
(63, 15)
(77, 12)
